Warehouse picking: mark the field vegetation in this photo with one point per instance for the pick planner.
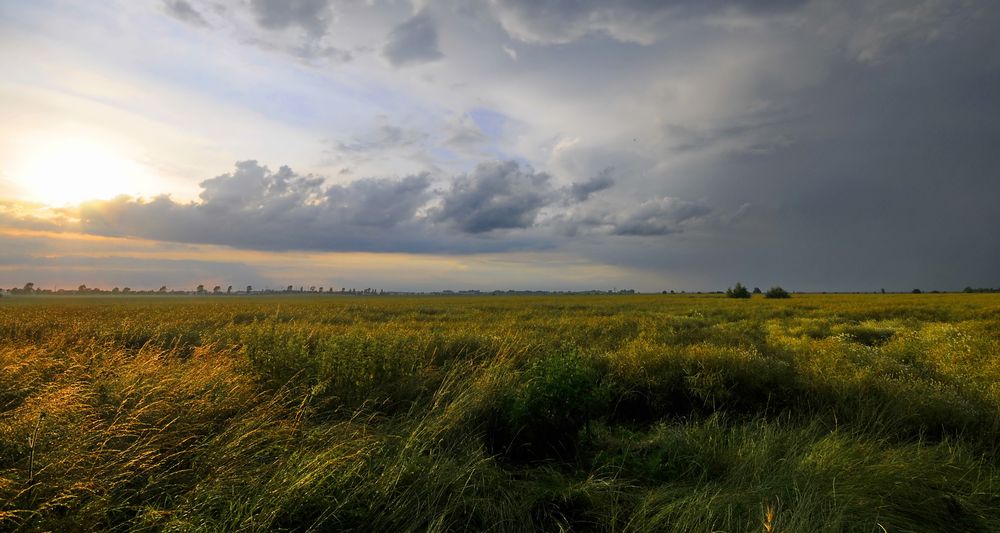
(860, 413)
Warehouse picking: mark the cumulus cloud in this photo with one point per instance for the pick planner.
(658, 216)
(413, 42)
(182, 10)
(382, 203)
(581, 191)
(299, 28)
(310, 15)
(496, 195)
(254, 207)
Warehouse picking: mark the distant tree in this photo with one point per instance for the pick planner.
(777, 292)
(29, 287)
(312, 288)
(229, 290)
(163, 289)
(756, 290)
(115, 290)
(738, 291)
(883, 291)
(916, 291)
(82, 288)
(200, 289)
(126, 290)
(216, 290)
(249, 289)
(968, 289)
(289, 289)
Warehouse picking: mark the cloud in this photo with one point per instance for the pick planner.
(634, 21)
(182, 10)
(383, 136)
(463, 132)
(413, 42)
(888, 26)
(496, 195)
(256, 208)
(656, 217)
(382, 203)
(581, 191)
(299, 28)
(659, 216)
(310, 15)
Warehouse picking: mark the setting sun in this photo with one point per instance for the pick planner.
(70, 170)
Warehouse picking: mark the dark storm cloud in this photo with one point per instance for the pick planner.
(581, 191)
(659, 216)
(380, 203)
(498, 195)
(890, 181)
(413, 42)
(183, 11)
(310, 15)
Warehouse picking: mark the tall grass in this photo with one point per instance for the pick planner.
(665, 413)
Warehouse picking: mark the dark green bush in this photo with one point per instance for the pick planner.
(777, 292)
(738, 291)
(557, 396)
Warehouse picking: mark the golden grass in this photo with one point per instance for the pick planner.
(649, 413)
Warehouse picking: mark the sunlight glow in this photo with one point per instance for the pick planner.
(69, 170)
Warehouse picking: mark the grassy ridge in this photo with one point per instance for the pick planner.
(646, 413)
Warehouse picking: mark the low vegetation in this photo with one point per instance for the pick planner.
(738, 291)
(602, 413)
(777, 292)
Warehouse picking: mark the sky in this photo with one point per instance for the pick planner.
(423, 145)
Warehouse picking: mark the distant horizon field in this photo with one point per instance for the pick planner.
(653, 412)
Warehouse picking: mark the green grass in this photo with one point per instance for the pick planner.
(642, 413)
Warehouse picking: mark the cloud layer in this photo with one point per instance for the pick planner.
(497, 206)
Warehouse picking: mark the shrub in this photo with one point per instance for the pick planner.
(777, 292)
(559, 393)
(738, 291)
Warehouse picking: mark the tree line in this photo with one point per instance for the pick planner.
(217, 290)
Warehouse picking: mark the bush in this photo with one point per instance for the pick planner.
(559, 393)
(777, 292)
(739, 291)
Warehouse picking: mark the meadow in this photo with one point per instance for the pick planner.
(868, 413)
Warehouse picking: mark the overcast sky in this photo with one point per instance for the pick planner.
(526, 144)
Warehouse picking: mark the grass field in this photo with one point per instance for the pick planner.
(642, 413)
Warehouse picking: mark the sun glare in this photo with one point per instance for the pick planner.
(71, 170)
